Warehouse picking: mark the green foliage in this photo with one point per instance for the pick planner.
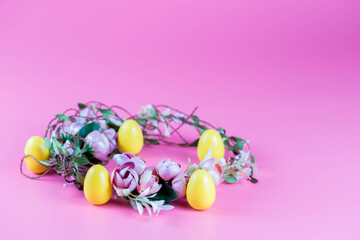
(88, 128)
(106, 112)
(82, 161)
(81, 106)
(195, 143)
(229, 178)
(166, 193)
(64, 118)
(195, 119)
(153, 112)
(253, 180)
(47, 143)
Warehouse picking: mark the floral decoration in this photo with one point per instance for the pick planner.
(80, 138)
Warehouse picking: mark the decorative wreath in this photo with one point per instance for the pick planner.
(79, 142)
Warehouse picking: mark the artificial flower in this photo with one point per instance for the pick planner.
(73, 128)
(85, 115)
(149, 180)
(102, 143)
(67, 145)
(139, 163)
(144, 111)
(168, 169)
(210, 165)
(179, 185)
(177, 117)
(124, 179)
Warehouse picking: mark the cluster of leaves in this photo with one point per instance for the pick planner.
(72, 165)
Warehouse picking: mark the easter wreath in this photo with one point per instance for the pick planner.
(80, 141)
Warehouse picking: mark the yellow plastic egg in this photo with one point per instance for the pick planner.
(210, 139)
(200, 192)
(130, 137)
(35, 147)
(97, 185)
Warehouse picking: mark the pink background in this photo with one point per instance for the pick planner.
(284, 74)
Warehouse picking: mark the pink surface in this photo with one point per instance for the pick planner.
(284, 74)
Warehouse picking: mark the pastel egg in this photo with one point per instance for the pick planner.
(210, 139)
(200, 192)
(130, 137)
(97, 185)
(35, 146)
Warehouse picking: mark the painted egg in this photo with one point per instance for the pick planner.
(130, 137)
(210, 139)
(97, 185)
(35, 147)
(200, 192)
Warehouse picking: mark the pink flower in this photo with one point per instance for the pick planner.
(168, 169)
(102, 143)
(149, 180)
(124, 179)
(73, 128)
(214, 169)
(216, 173)
(139, 163)
(179, 185)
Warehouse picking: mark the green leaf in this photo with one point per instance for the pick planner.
(166, 112)
(229, 178)
(47, 143)
(88, 128)
(153, 112)
(66, 137)
(76, 152)
(45, 163)
(59, 146)
(80, 178)
(82, 161)
(196, 120)
(106, 112)
(195, 143)
(55, 146)
(254, 180)
(166, 193)
(239, 144)
(141, 122)
(252, 159)
(64, 117)
(81, 106)
(221, 130)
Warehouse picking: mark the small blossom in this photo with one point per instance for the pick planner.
(179, 184)
(214, 169)
(85, 115)
(101, 144)
(67, 145)
(222, 162)
(139, 163)
(124, 179)
(168, 169)
(73, 128)
(149, 180)
(176, 117)
(144, 111)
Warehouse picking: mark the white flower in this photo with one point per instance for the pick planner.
(176, 117)
(144, 111)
